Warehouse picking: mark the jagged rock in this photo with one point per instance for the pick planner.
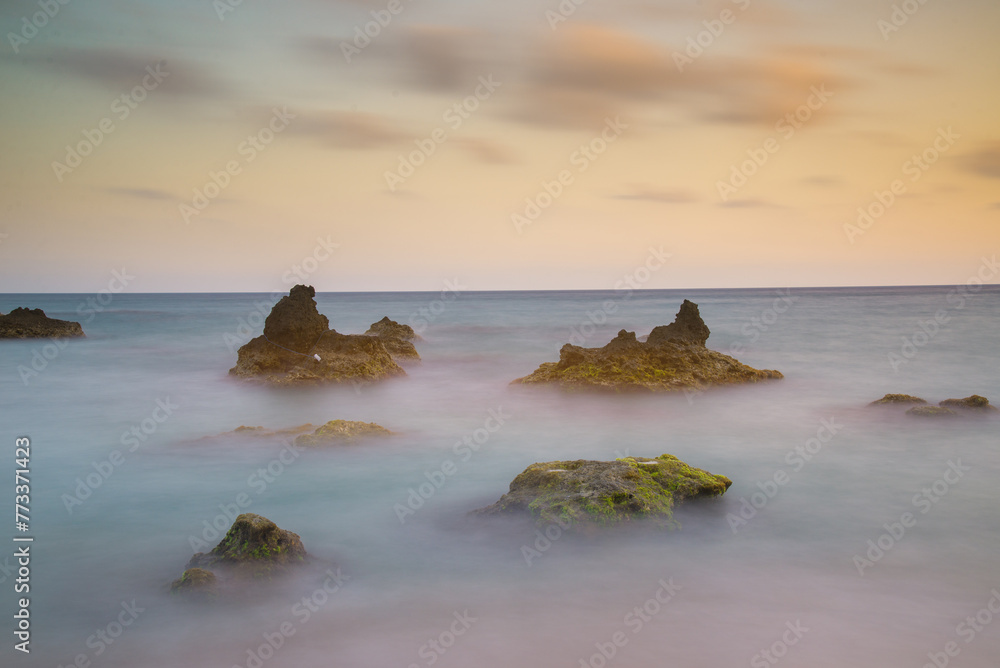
(196, 582)
(931, 411)
(298, 348)
(687, 327)
(340, 431)
(972, 403)
(253, 548)
(25, 323)
(398, 339)
(584, 492)
(673, 358)
(892, 399)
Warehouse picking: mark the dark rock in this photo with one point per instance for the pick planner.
(397, 339)
(931, 411)
(297, 348)
(196, 582)
(253, 548)
(973, 403)
(336, 431)
(891, 399)
(584, 492)
(687, 327)
(25, 323)
(673, 360)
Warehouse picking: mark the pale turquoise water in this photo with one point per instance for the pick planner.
(792, 562)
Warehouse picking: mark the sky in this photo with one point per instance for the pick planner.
(356, 145)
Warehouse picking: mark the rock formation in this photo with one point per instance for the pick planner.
(196, 582)
(971, 403)
(673, 358)
(339, 431)
(931, 411)
(584, 492)
(896, 399)
(25, 323)
(253, 548)
(398, 339)
(297, 347)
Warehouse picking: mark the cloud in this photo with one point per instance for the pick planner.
(349, 130)
(750, 203)
(661, 196)
(985, 162)
(144, 193)
(485, 150)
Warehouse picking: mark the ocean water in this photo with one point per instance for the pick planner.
(793, 581)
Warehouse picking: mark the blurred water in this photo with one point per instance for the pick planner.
(792, 563)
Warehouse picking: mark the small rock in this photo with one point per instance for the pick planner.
(897, 399)
(196, 582)
(253, 548)
(341, 430)
(931, 411)
(25, 323)
(973, 403)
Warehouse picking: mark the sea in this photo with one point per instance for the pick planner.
(851, 536)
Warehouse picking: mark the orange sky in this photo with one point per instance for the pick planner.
(547, 150)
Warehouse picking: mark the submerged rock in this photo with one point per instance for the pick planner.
(931, 411)
(195, 582)
(253, 548)
(897, 399)
(604, 493)
(25, 323)
(397, 338)
(297, 347)
(340, 431)
(673, 358)
(972, 403)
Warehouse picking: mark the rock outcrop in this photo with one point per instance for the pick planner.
(972, 403)
(341, 431)
(897, 399)
(931, 411)
(25, 323)
(398, 339)
(584, 492)
(254, 548)
(196, 582)
(298, 347)
(673, 358)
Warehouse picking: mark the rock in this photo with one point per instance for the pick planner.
(253, 548)
(897, 399)
(931, 411)
(341, 431)
(672, 359)
(264, 432)
(686, 327)
(973, 403)
(25, 323)
(196, 582)
(396, 338)
(298, 348)
(584, 492)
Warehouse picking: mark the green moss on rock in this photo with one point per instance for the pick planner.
(195, 582)
(339, 431)
(254, 547)
(606, 493)
(973, 403)
(893, 399)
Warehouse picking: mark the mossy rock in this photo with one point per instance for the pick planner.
(340, 431)
(196, 582)
(586, 492)
(971, 403)
(894, 399)
(254, 547)
(931, 411)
